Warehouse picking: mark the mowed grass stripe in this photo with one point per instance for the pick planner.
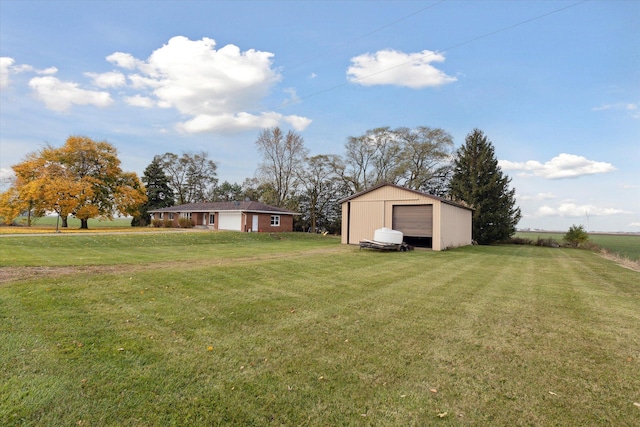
(480, 335)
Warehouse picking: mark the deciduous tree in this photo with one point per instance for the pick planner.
(359, 159)
(478, 180)
(418, 158)
(320, 189)
(282, 157)
(191, 176)
(82, 178)
(425, 159)
(11, 206)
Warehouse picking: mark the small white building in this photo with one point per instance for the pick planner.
(425, 220)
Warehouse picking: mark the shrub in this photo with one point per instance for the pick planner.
(157, 223)
(547, 243)
(592, 246)
(167, 223)
(576, 236)
(519, 241)
(185, 223)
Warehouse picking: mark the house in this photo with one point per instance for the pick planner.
(425, 220)
(236, 216)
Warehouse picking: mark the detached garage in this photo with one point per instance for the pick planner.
(425, 220)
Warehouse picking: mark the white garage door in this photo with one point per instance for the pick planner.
(230, 221)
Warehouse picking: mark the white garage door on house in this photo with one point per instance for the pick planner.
(230, 221)
(413, 220)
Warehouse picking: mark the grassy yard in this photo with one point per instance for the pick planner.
(247, 329)
(49, 223)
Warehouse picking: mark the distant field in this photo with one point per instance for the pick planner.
(224, 328)
(624, 245)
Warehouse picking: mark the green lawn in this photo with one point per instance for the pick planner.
(73, 223)
(247, 329)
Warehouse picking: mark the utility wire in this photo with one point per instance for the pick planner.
(311, 59)
(367, 34)
(452, 47)
(449, 48)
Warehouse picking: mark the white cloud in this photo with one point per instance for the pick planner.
(573, 210)
(141, 82)
(391, 67)
(5, 64)
(47, 71)
(634, 224)
(562, 166)
(109, 79)
(7, 67)
(632, 109)
(240, 121)
(139, 101)
(537, 197)
(603, 107)
(216, 87)
(293, 96)
(299, 123)
(56, 94)
(6, 174)
(60, 96)
(124, 60)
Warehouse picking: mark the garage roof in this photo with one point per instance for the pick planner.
(421, 193)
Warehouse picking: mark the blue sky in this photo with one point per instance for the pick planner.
(555, 85)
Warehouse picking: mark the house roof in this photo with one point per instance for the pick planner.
(245, 206)
(421, 193)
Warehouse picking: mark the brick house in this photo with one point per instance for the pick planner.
(236, 216)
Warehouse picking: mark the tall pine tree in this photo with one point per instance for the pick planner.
(159, 193)
(479, 181)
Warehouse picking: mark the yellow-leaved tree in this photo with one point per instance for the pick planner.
(11, 206)
(82, 178)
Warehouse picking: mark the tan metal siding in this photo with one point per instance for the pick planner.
(389, 193)
(456, 227)
(365, 217)
(361, 216)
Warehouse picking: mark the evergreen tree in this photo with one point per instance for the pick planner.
(159, 193)
(478, 181)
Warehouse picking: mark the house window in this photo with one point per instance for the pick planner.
(275, 220)
(186, 215)
(212, 219)
(170, 217)
(160, 216)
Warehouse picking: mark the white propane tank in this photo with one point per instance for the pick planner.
(387, 235)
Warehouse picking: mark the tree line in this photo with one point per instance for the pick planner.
(83, 179)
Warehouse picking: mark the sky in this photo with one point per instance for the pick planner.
(554, 85)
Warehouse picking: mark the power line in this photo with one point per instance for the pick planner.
(326, 52)
(452, 47)
(397, 21)
(449, 48)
